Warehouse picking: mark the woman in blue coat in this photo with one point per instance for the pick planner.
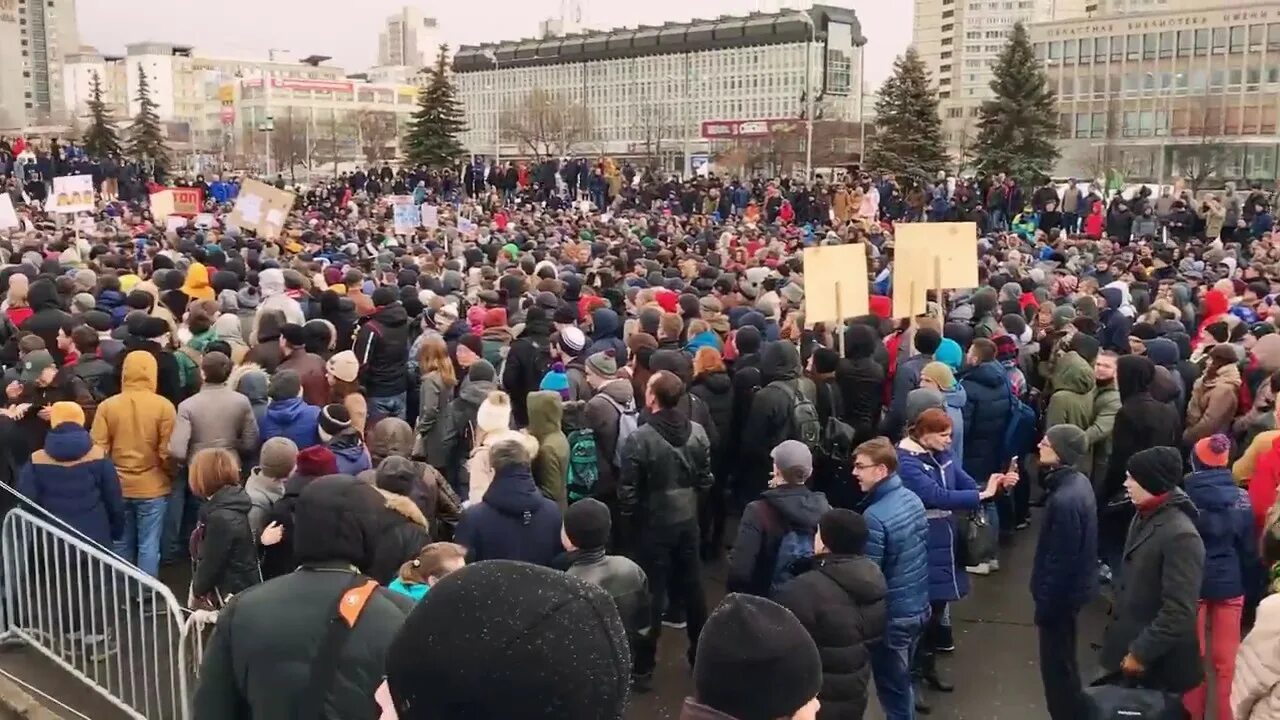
(928, 469)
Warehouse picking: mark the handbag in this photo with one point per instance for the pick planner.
(1116, 697)
(977, 536)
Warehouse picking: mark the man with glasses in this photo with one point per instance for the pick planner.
(896, 534)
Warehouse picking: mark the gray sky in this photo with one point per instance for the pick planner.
(349, 32)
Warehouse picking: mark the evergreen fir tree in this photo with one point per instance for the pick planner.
(1018, 128)
(101, 138)
(432, 137)
(146, 140)
(908, 130)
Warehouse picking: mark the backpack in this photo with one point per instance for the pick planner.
(805, 424)
(1020, 433)
(190, 375)
(796, 544)
(584, 470)
(628, 421)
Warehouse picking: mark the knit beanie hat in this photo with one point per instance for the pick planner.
(334, 418)
(603, 364)
(844, 532)
(472, 343)
(587, 524)
(1212, 452)
(344, 366)
(66, 412)
(940, 374)
(1156, 469)
(825, 360)
(481, 371)
(284, 385)
(278, 457)
(950, 353)
(556, 381)
(316, 461)
(1068, 443)
(755, 660)
(494, 414)
(571, 339)
(922, 399)
(518, 644)
(397, 475)
(1062, 316)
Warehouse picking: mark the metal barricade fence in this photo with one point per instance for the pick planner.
(104, 621)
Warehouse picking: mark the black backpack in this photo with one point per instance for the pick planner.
(805, 424)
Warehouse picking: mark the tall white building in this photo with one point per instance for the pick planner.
(34, 37)
(410, 39)
(680, 86)
(959, 41)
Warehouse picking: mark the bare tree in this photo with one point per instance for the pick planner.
(377, 131)
(547, 123)
(292, 144)
(655, 123)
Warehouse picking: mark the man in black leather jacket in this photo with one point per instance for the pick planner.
(666, 464)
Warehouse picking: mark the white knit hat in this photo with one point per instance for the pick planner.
(494, 414)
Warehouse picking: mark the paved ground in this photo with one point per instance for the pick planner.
(994, 667)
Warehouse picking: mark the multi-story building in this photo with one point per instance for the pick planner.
(409, 39)
(1156, 95)
(959, 42)
(34, 37)
(637, 92)
(78, 72)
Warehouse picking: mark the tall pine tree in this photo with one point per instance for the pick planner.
(1018, 128)
(432, 137)
(101, 138)
(146, 140)
(908, 130)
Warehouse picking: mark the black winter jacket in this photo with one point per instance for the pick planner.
(986, 415)
(624, 581)
(840, 601)
(48, 316)
(770, 421)
(404, 534)
(228, 560)
(715, 390)
(382, 347)
(666, 463)
(764, 522)
(527, 361)
(1063, 578)
(861, 385)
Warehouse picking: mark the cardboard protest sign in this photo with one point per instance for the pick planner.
(72, 194)
(174, 223)
(162, 205)
(8, 216)
(835, 283)
(466, 226)
(261, 208)
(187, 201)
(931, 256)
(406, 217)
(430, 216)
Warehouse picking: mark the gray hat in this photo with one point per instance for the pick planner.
(793, 455)
(279, 454)
(285, 384)
(1068, 443)
(922, 399)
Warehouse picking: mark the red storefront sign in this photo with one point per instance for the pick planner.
(726, 129)
(188, 201)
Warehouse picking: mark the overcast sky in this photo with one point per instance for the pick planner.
(349, 32)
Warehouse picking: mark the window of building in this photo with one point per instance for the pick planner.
(1082, 125)
(1117, 47)
(955, 112)
(1237, 38)
(1065, 121)
(1167, 41)
(1186, 41)
(1040, 50)
(1273, 36)
(1100, 49)
(946, 41)
(977, 35)
(1098, 125)
(1150, 41)
(1069, 51)
(1256, 35)
(1133, 45)
(1055, 51)
(1085, 53)
(946, 56)
(1220, 39)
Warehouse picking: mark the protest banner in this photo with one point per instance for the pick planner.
(72, 194)
(261, 208)
(8, 216)
(162, 205)
(406, 218)
(187, 201)
(430, 216)
(173, 223)
(931, 256)
(835, 283)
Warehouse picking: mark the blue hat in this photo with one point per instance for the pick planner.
(556, 381)
(950, 354)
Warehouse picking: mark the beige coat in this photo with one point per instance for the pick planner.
(1255, 690)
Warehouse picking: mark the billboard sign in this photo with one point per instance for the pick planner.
(729, 129)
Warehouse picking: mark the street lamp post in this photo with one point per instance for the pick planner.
(497, 111)
(267, 128)
(808, 91)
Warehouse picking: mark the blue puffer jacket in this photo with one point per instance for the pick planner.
(941, 486)
(896, 529)
(986, 415)
(75, 481)
(513, 522)
(1063, 578)
(293, 419)
(1226, 527)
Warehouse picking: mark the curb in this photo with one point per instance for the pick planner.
(17, 704)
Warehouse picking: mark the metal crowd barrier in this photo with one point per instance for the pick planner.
(102, 620)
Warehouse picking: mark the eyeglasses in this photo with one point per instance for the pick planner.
(861, 466)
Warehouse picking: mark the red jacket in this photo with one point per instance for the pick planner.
(1262, 485)
(1095, 222)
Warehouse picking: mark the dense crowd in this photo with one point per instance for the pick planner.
(497, 453)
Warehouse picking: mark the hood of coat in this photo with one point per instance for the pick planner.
(251, 383)
(1180, 501)
(1212, 489)
(546, 410)
(271, 282)
(857, 576)
(718, 383)
(231, 497)
(229, 328)
(604, 324)
(1163, 352)
(43, 295)
(1134, 374)
(860, 341)
(799, 506)
(286, 412)
(990, 374)
(1073, 374)
(473, 392)
(513, 492)
(347, 445)
(140, 372)
(1226, 376)
(390, 436)
(779, 361)
(956, 397)
(67, 442)
(620, 391)
(257, 482)
(405, 507)
(391, 316)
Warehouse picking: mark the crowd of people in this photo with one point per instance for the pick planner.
(415, 468)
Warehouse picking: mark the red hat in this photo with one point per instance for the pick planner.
(1213, 451)
(316, 461)
(495, 317)
(668, 300)
(881, 306)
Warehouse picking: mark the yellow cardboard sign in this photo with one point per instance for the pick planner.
(835, 283)
(929, 256)
(262, 208)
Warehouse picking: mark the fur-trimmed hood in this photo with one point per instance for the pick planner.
(404, 506)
